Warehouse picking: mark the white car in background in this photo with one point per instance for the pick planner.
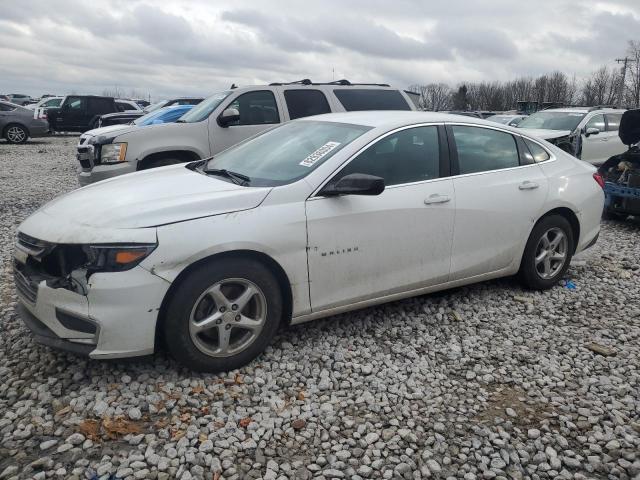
(590, 134)
(319, 216)
(507, 119)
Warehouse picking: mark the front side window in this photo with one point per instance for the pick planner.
(483, 149)
(75, 103)
(304, 103)
(256, 108)
(370, 99)
(410, 155)
(597, 121)
(613, 121)
(286, 153)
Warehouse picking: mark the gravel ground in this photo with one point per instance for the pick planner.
(488, 381)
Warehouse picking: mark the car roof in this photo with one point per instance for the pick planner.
(394, 118)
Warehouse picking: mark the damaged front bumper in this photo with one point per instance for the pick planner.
(102, 315)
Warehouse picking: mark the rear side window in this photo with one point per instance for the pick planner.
(483, 149)
(371, 99)
(256, 108)
(538, 153)
(304, 103)
(613, 121)
(410, 155)
(98, 106)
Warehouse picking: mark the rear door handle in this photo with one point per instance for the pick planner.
(527, 185)
(436, 198)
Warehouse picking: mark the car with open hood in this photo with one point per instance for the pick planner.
(587, 133)
(315, 217)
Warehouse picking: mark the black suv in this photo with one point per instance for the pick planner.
(79, 113)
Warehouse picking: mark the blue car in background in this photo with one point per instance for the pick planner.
(133, 117)
(163, 115)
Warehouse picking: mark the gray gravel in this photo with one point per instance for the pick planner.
(483, 382)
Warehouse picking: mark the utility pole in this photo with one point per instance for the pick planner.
(623, 74)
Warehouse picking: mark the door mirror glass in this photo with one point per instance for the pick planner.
(355, 184)
(229, 116)
(592, 131)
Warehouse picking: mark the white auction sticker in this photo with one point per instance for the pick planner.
(318, 154)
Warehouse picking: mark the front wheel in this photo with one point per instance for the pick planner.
(223, 315)
(16, 134)
(548, 253)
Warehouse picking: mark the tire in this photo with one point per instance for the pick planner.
(160, 162)
(15, 133)
(538, 274)
(193, 301)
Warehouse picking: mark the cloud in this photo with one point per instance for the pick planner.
(197, 47)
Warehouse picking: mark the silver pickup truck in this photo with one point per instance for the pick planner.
(222, 120)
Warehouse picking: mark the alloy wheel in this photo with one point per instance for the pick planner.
(551, 253)
(16, 134)
(227, 317)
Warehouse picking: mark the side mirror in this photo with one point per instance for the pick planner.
(229, 116)
(354, 184)
(591, 131)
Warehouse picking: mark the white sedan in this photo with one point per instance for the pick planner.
(319, 216)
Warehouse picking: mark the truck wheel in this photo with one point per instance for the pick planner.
(15, 133)
(547, 254)
(223, 315)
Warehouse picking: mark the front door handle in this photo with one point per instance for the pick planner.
(436, 198)
(527, 185)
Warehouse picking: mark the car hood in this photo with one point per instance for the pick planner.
(545, 134)
(109, 131)
(154, 197)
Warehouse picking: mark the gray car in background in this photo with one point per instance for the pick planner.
(17, 123)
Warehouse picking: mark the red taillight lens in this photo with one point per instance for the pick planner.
(599, 180)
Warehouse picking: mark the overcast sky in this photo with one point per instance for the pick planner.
(197, 47)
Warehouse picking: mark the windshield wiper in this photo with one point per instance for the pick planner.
(180, 121)
(235, 177)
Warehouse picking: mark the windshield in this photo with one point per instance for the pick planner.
(162, 115)
(287, 153)
(204, 108)
(552, 120)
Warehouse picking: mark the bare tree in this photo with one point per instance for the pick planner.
(434, 96)
(600, 88)
(632, 88)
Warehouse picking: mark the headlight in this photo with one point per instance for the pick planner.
(113, 152)
(116, 258)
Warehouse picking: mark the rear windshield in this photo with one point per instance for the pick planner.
(371, 99)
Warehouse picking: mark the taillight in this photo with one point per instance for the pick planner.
(599, 180)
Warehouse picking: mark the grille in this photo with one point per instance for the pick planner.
(85, 156)
(25, 288)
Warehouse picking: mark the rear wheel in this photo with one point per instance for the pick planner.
(15, 133)
(548, 253)
(223, 315)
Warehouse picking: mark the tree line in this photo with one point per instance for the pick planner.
(605, 86)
